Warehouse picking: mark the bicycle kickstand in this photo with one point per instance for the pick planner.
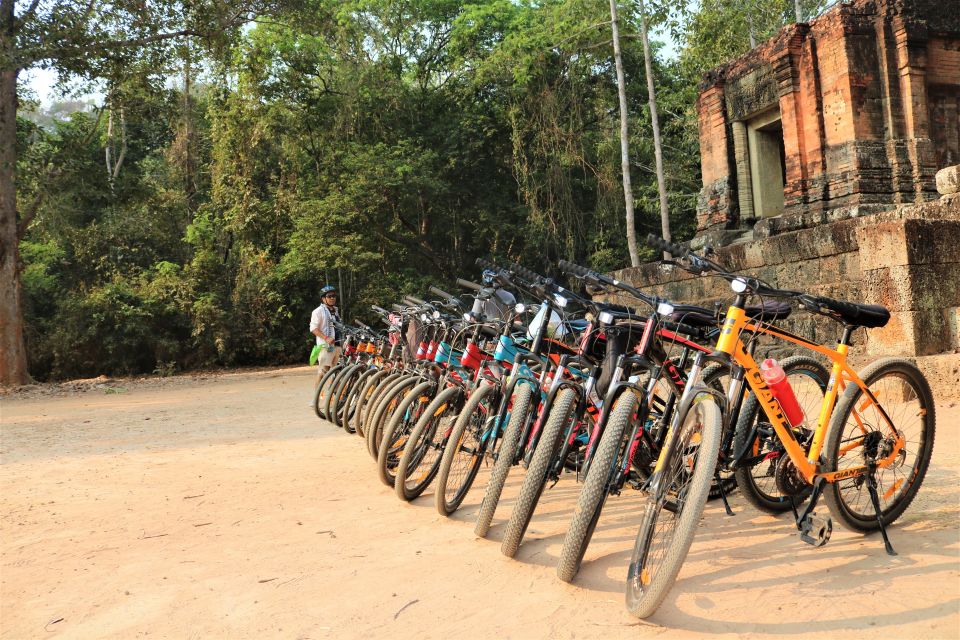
(872, 486)
(723, 494)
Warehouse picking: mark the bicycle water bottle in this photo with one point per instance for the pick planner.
(776, 379)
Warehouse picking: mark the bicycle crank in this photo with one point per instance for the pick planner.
(815, 530)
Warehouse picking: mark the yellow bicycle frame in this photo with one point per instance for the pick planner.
(807, 463)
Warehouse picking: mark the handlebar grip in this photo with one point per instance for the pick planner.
(523, 272)
(468, 285)
(440, 292)
(379, 309)
(361, 325)
(575, 269)
(673, 249)
(397, 308)
(415, 299)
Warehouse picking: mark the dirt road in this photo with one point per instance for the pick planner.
(224, 508)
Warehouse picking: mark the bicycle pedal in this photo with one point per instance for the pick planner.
(815, 530)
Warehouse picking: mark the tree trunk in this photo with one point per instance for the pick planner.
(13, 352)
(624, 140)
(189, 180)
(655, 121)
(797, 10)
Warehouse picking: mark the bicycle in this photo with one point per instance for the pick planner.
(854, 438)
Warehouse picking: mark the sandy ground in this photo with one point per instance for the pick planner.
(222, 507)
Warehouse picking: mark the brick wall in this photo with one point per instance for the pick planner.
(869, 96)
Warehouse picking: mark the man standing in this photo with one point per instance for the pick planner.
(323, 323)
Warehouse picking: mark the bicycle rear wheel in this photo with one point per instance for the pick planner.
(859, 433)
(679, 492)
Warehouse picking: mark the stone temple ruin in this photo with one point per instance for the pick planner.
(820, 152)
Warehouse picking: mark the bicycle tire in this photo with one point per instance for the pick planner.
(595, 488)
(350, 408)
(365, 392)
(455, 447)
(505, 457)
(646, 589)
(388, 405)
(424, 436)
(397, 429)
(534, 482)
(319, 398)
(339, 384)
(374, 403)
(889, 380)
(757, 484)
(712, 377)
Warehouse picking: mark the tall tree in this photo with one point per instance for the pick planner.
(88, 40)
(655, 123)
(624, 138)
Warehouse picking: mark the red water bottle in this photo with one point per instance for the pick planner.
(776, 379)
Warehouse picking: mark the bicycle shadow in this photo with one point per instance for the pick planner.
(759, 553)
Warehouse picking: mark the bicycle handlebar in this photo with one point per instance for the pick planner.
(443, 294)
(599, 278)
(469, 285)
(666, 246)
(415, 299)
(525, 273)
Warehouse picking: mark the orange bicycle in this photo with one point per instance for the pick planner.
(867, 456)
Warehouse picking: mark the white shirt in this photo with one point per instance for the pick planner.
(322, 319)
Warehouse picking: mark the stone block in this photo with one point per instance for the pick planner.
(948, 180)
(951, 317)
(920, 288)
(909, 333)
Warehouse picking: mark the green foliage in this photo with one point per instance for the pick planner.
(377, 145)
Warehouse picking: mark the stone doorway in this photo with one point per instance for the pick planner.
(767, 163)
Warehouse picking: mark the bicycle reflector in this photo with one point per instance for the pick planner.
(739, 285)
(605, 317)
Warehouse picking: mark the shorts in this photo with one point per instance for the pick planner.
(328, 357)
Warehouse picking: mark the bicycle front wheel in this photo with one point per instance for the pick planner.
(519, 409)
(676, 503)
(544, 459)
(596, 486)
(464, 451)
(421, 457)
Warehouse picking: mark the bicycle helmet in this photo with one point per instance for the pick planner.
(327, 289)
